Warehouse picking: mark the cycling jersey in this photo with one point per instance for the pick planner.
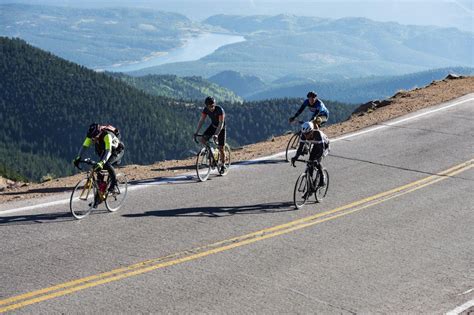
(105, 146)
(214, 115)
(320, 144)
(317, 109)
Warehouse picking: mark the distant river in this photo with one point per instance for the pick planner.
(195, 48)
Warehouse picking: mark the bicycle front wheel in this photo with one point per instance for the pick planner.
(292, 145)
(82, 198)
(116, 199)
(301, 192)
(203, 165)
(321, 190)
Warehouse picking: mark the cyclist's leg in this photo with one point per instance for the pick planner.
(316, 155)
(115, 159)
(320, 120)
(208, 134)
(221, 138)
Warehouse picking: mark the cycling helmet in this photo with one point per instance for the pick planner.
(209, 101)
(311, 94)
(94, 130)
(307, 127)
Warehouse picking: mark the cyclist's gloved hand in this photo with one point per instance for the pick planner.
(99, 166)
(291, 119)
(76, 161)
(293, 160)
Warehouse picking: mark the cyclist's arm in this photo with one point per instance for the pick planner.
(299, 151)
(221, 124)
(300, 110)
(87, 143)
(201, 121)
(108, 148)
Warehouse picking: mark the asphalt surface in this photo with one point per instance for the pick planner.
(394, 235)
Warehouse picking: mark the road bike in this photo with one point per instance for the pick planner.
(294, 142)
(309, 183)
(94, 189)
(208, 158)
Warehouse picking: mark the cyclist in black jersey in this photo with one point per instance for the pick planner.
(216, 129)
(310, 133)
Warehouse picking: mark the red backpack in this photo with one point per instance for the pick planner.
(110, 128)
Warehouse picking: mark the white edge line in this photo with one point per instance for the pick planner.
(462, 308)
(187, 175)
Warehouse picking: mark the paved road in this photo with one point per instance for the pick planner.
(393, 235)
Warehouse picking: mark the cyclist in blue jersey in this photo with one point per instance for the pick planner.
(316, 106)
(216, 129)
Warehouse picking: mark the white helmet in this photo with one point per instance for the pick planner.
(307, 127)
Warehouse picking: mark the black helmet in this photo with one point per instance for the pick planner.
(94, 130)
(311, 94)
(209, 101)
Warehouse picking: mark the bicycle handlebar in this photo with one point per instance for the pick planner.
(86, 161)
(202, 136)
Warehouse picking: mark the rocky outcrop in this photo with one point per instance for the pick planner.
(370, 106)
(6, 183)
(453, 76)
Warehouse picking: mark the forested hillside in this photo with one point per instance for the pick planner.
(172, 86)
(47, 103)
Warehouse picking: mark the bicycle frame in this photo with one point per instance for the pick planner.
(210, 148)
(92, 179)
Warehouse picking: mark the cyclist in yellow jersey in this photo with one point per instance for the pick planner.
(107, 146)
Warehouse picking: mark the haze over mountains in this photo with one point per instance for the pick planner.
(420, 12)
(275, 46)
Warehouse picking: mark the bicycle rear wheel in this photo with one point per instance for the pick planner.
(226, 161)
(203, 165)
(300, 194)
(321, 191)
(116, 199)
(292, 145)
(82, 198)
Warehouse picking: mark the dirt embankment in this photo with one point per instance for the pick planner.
(368, 114)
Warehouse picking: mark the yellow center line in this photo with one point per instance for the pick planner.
(196, 253)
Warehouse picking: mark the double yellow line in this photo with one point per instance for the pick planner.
(48, 293)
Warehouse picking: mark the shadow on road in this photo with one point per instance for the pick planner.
(272, 161)
(42, 218)
(216, 212)
(36, 218)
(188, 179)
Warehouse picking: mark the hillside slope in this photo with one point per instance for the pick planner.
(47, 103)
(400, 104)
(179, 88)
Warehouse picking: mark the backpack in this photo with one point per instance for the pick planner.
(112, 129)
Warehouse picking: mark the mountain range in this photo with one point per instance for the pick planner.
(275, 47)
